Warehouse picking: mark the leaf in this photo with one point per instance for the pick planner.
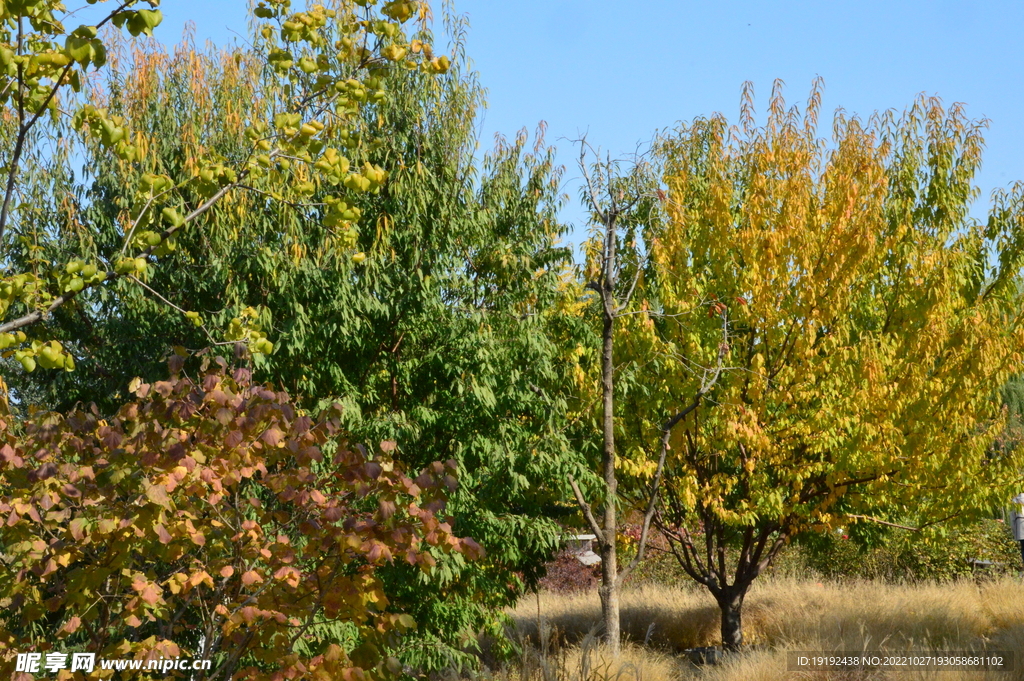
(162, 534)
(251, 577)
(150, 594)
(78, 527)
(471, 549)
(71, 626)
(157, 494)
(273, 437)
(79, 49)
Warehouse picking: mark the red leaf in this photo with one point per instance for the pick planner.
(7, 453)
(150, 594)
(163, 534)
(233, 439)
(72, 625)
(372, 470)
(272, 437)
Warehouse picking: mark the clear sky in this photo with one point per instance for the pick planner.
(620, 71)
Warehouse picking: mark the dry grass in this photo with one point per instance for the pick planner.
(779, 616)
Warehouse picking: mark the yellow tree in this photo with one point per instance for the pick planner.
(869, 323)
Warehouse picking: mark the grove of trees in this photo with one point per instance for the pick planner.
(296, 382)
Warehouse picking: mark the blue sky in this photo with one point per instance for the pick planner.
(619, 72)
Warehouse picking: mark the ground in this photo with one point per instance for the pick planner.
(781, 615)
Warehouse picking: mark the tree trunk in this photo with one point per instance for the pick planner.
(609, 562)
(609, 591)
(731, 605)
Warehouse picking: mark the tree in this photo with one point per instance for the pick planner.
(609, 202)
(620, 205)
(427, 319)
(213, 519)
(50, 257)
(870, 326)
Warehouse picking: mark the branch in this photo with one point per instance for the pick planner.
(879, 521)
(629, 293)
(689, 560)
(587, 513)
(19, 144)
(169, 303)
(33, 317)
(142, 214)
(594, 202)
(763, 563)
(651, 507)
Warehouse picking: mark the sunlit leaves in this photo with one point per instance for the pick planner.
(139, 22)
(869, 328)
(325, 66)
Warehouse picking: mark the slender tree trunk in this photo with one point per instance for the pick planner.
(731, 605)
(606, 529)
(609, 559)
(609, 592)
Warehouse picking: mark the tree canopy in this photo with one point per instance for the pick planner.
(789, 334)
(868, 324)
(420, 302)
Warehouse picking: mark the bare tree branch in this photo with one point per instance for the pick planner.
(879, 521)
(587, 512)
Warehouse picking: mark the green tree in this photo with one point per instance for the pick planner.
(52, 263)
(869, 326)
(428, 319)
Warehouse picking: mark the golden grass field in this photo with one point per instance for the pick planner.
(780, 615)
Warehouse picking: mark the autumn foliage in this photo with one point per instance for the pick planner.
(864, 322)
(210, 518)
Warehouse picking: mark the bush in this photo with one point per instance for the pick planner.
(211, 519)
(566, 574)
(901, 555)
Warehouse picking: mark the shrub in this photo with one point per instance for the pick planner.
(211, 519)
(566, 574)
(901, 555)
